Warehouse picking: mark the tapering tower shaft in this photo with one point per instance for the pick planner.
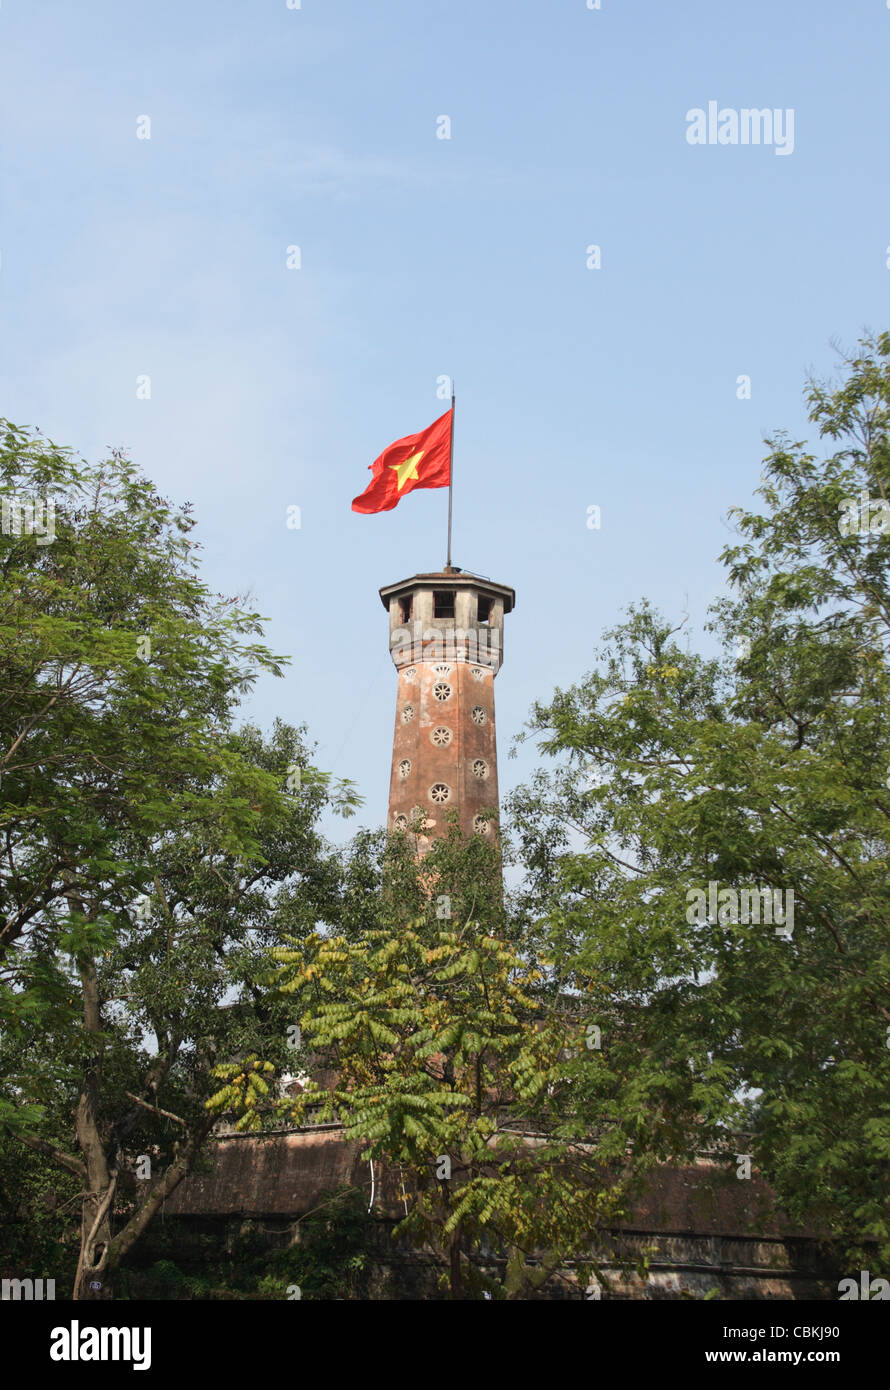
(446, 640)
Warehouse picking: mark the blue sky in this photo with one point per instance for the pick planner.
(422, 257)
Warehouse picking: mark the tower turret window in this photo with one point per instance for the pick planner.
(483, 609)
(406, 606)
(443, 603)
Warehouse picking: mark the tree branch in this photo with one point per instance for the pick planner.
(58, 1156)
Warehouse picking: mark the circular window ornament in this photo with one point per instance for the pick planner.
(442, 669)
(478, 714)
(480, 769)
(440, 736)
(480, 825)
(400, 822)
(404, 768)
(410, 673)
(407, 714)
(442, 690)
(439, 792)
(478, 673)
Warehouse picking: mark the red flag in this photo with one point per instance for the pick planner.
(418, 460)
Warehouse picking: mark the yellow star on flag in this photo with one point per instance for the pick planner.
(407, 471)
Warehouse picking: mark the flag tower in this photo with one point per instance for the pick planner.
(446, 638)
(446, 641)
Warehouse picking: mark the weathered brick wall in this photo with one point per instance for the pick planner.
(702, 1231)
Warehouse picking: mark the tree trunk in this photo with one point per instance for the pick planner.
(95, 1225)
(457, 1278)
(178, 1169)
(95, 1241)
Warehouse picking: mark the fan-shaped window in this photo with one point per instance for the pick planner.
(410, 673)
(442, 669)
(478, 673)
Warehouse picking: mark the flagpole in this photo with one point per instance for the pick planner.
(450, 476)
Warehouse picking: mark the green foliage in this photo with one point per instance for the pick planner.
(766, 768)
(553, 1050)
(442, 1046)
(327, 1257)
(39, 1214)
(331, 1259)
(145, 839)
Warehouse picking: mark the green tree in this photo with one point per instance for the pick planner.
(142, 837)
(452, 1065)
(764, 768)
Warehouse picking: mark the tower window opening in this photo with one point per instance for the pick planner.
(443, 603)
(406, 606)
(483, 609)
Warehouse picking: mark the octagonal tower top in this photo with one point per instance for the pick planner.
(448, 615)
